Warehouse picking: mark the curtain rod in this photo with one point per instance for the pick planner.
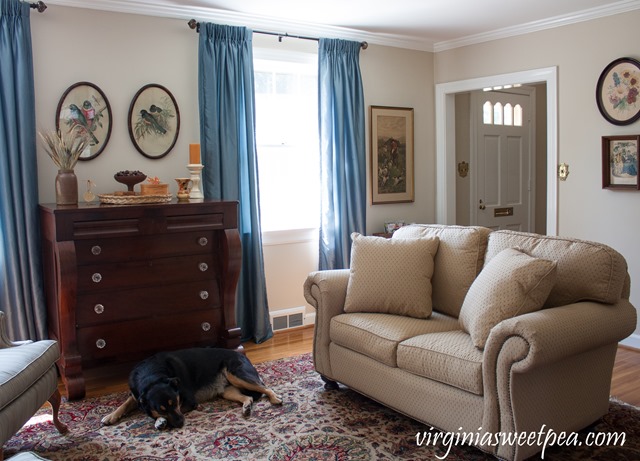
(40, 6)
(193, 24)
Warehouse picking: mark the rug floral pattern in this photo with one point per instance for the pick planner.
(312, 425)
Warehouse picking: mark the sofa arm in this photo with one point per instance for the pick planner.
(326, 292)
(536, 341)
(555, 333)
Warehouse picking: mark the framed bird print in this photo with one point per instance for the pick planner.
(154, 121)
(84, 107)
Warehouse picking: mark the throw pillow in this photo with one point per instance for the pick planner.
(512, 283)
(391, 276)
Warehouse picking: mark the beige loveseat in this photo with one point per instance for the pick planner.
(531, 348)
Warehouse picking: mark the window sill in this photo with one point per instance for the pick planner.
(289, 236)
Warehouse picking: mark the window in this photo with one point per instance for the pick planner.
(287, 140)
(498, 114)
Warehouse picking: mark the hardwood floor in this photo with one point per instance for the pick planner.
(624, 384)
(626, 371)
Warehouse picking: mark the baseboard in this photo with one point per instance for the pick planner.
(310, 318)
(632, 341)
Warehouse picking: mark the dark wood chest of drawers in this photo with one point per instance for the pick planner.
(123, 282)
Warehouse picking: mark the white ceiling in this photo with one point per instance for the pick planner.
(430, 25)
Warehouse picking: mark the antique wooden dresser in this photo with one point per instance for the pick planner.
(125, 281)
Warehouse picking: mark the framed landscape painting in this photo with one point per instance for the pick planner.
(391, 144)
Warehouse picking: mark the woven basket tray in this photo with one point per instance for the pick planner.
(133, 199)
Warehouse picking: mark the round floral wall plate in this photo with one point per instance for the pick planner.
(617, 93)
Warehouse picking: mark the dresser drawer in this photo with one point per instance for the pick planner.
(102, 307)
(153, 334)
(99, 250)
(108, 276)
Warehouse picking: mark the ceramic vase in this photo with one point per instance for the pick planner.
(66, 188)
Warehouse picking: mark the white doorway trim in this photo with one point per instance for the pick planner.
(445, 138)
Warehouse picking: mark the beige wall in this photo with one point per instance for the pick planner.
(580, 51)
(403, 78)
(121, 52)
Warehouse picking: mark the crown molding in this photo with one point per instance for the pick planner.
(623, 6)
(151, 8)
(271, 24)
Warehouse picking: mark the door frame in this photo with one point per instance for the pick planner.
(445, 138)
(475, 122)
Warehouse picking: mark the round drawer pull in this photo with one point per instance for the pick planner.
(98, 308)
(206, 326)
(97, 277)
(101, 343)
(203, 241)
(203, 267)
(204, 294)
(96, 250)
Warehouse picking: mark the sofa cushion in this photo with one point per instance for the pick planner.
(447, 357)
(587, 271)
(513, 283)
(391, 276)
(378, 335)
(459, 260)
(21, 366)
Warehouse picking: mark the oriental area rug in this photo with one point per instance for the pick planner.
(312, 424)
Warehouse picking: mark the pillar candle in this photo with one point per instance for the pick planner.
(194, 154)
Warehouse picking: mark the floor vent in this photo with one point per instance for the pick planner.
(287, 318)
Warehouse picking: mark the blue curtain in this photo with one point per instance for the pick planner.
(342, 150)
(227, 139)
(21, 294)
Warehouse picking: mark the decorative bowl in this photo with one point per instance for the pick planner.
(130, 178)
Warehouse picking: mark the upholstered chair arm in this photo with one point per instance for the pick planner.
(326, 292)
(536, 344)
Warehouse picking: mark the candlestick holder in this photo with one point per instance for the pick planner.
(196, 180)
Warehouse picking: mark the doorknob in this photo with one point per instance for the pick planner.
(482, 207)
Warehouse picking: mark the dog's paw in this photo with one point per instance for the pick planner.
(246, 409)
(108, 420)
(160, 424)
(274, 398)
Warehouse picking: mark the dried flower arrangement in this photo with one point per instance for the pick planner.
(64, 150)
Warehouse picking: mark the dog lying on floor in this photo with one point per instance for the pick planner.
(170, 384)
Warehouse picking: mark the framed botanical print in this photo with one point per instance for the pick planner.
(154, 121)
(620, 162)
(84, 107)
(391, 144)
(617, 92)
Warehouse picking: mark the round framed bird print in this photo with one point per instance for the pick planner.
(85, 108)
(154, 121)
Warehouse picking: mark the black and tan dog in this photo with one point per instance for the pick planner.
(170, 384)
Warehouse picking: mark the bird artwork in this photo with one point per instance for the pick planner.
(78, 118)
(153, 120)
(150, 120)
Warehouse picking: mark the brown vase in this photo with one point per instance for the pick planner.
(66, 188)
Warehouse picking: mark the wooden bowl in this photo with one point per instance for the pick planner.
(129, 178)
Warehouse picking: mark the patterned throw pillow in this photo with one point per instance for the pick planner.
(512, 283)
(391, 276)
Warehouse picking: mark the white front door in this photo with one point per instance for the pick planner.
(502, 179)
